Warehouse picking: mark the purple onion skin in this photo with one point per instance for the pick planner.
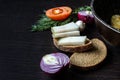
(63, 60)
(86, 18)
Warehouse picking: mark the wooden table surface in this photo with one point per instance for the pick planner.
(21, 50)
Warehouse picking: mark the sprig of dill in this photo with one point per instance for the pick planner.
(45, 23)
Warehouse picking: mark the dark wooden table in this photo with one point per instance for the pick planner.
(21, 50)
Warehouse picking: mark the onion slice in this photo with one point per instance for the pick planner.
(86, 16)
(54, 62)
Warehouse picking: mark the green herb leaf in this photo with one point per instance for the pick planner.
(45, 23)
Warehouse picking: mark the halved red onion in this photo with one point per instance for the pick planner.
(86, 16)
(54, 62)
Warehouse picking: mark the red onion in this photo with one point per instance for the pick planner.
(54, 62)
(86, 16)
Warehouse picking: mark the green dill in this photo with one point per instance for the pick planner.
(45, 23)
(83, 8)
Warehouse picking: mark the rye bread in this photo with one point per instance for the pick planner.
(90, 58)
(80, 48)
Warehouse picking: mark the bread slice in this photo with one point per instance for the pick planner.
(90, 58)
(80, 48)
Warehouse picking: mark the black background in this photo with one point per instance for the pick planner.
(21, 50)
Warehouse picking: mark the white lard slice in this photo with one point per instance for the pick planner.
(72, 41)
(65, 28)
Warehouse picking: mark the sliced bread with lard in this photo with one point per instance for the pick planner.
(74, 47)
